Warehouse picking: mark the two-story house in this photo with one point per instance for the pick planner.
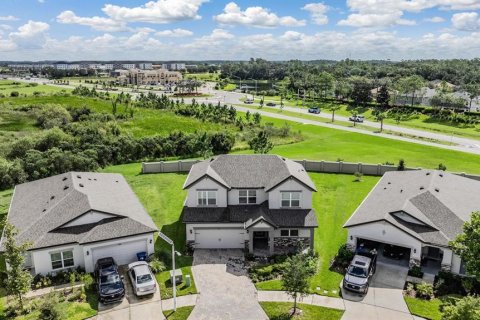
(260, 203)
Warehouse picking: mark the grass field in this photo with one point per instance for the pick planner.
(7, 86)
(166, 287)
(205, 76)
(181, 314)
(280, 311)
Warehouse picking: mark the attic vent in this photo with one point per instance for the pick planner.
(428, 173)
(52, 197)
(95, 179)
(89, 179)
(79, 177)
(389, 183)
(64, 178)
(421, 188)
(65, 188)
(81, 185)
(441, 175)
(44, 210)
(436, 189)
(401, 190)
(116, 181)
(385, 188)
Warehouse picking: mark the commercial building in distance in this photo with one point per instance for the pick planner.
(173, 66)
(147, 77)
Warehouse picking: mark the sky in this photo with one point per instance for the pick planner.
(238, 30)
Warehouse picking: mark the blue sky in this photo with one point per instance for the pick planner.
(271, 29)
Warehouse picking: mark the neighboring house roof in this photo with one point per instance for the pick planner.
(250, 214)
(249, 171)
(41, 209)
(430, 205)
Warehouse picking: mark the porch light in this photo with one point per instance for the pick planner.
(151, 241)
(351, 237)
(88, 252)
(191, 231)
(414, 250)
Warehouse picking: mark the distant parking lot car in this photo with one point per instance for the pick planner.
(142, 279)
(360, 271)
(249, 101)
(357, 118)
(315, 110)
(271, 104)
(110, 284)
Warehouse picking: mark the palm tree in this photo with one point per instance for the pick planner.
(333, 108)
(380, 117)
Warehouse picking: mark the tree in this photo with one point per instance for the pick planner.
(383, 97)
(380, 116)
(467, 245)
(261, 142)
(473, 92)
(333, 108)
(410, 85)
(361, 93)
(18, 280)
(296, 276)
(401, 165)
(467, 308)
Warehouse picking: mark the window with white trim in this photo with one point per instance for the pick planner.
(289, 233)
(247, 196)
(290, 198)
(207, 197)
(62, 259)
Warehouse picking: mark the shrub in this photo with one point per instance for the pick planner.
(343, 257)
(415, 271)
(157, 266)
(442, 167)
(401, 165)
(424, 290)
(48, 310)
(87, 280)
(14, 94)
(358, 176)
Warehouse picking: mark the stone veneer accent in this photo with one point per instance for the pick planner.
(283, 245)
(446, 267)
(414, 263)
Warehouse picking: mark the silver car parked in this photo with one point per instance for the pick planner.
(142, 279)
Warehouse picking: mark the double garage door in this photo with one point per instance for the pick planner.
(122, 252)
(213, 238)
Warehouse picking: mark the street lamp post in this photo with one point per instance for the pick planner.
(174, 280)
(256, 92)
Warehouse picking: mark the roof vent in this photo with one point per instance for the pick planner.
(116, 181)
(90, 179)
(385, 188)
(428, 173)
(79, 177)
(389, 182)
(441, 175)
(65, 188)
(401, 190)
(81, 185)
(64, 178)
(436, 189)
(52, 197)
(421, 188)
(44, 210)
(94, 179)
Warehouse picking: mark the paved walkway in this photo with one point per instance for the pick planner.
(223, 295)
(313, 299)
(183, 301)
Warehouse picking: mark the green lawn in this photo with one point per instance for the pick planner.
(7, 86)
(181, 314)
(428, 309)
(280, 311)
(166, 288)
(337, 197)
(205, 76)
(322, 143)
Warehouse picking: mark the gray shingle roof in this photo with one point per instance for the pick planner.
(41, 209)
(440, 201)
(249, 213)
(249, 171)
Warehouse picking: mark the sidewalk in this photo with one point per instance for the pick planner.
(183, 301)
(313, 299)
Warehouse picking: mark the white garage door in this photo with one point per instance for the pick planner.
(122, 252)
(219, 238)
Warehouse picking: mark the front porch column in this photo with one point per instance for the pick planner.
(312, 239)
(250, 242)
(447, 260)
(271, 241)
(415, 257)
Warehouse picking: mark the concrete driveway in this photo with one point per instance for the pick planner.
(384, 299)
(131, 307)
(224, 293)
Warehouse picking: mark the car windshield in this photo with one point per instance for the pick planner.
(144, 278)
(357, 271)
(109, 279)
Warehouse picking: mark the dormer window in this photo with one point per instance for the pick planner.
(290, 199)
(247, 196)
(207, 197)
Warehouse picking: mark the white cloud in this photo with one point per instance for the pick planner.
(5, 27)
(435, 19)
(255, 17)
(97, 23)
(175, 33)
(30, 35)
(466, 21)
(384, 13)
(160, 11)
(41, 1)
(317, 12)
(8, 18)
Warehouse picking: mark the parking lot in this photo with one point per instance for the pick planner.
(131, 307)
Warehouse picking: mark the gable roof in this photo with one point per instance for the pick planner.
(249, 171)
(440, 203)
(40, 209)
